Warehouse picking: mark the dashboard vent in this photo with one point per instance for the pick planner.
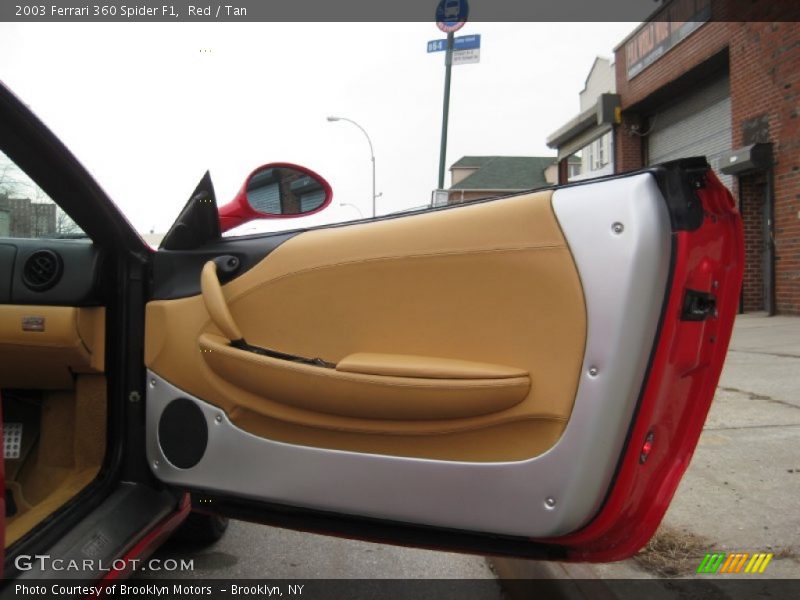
(42, 270)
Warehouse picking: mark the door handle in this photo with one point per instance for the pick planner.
(216, 305)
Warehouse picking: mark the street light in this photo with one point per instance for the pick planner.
(358, 210)
(371, 152)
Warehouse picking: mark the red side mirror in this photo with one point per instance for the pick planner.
(276, 191)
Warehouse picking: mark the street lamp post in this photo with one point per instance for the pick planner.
(353, 206)
(371, 152)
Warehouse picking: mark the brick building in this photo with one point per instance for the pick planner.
(721, 78)
(726, 86)
(21, 218)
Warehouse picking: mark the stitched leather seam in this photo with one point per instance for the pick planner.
(263, 284)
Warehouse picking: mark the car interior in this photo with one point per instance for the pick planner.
(52, 376)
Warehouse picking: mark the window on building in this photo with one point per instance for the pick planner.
(26, 211)
(601, 153)
(597, 158)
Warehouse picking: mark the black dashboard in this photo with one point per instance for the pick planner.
(51, 272)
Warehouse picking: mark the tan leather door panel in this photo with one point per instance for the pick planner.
(488, 291)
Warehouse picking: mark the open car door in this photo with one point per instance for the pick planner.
(527, 375)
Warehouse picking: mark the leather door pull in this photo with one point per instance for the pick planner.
(216, 305)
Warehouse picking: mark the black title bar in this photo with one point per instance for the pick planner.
(71, 11)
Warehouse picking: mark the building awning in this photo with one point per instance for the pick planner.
(749, 158)
(586, 127)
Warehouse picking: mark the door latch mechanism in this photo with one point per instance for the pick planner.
(698, 306)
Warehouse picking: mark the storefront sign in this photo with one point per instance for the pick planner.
(677, 21)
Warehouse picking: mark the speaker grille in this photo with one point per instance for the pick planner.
(183, 433)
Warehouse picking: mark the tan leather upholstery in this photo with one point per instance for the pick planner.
(403, 365)
(92, 331)
(72, 341)
(486, 283)
(357, 395)
(216, 305)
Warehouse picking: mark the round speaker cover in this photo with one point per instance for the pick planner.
(183, 433)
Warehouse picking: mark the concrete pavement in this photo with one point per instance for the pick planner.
(742, 489)
(764, 359)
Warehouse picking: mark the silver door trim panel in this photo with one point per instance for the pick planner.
(623, 272)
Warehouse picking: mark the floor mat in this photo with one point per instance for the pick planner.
(24, 521)
(59, 437)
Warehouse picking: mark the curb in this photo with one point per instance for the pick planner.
(526, 579)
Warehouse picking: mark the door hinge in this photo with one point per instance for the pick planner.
(698, 306)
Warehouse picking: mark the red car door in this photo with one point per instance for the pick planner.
(527, 375)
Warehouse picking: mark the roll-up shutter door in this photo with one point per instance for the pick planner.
(266, 198)
(311, 200)
(699, 124)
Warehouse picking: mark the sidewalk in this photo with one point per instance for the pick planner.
(741, 492)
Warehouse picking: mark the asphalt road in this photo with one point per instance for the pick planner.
(255, 551)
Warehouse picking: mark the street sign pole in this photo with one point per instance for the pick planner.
(450, 17)
(448, 66)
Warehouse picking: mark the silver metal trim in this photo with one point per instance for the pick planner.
(624, 276)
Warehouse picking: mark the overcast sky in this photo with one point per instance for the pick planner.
(147, 108)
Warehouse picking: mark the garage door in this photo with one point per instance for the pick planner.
(699, 124)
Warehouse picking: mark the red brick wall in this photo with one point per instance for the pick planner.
(752, 189)
(628, 144)
(765, 80)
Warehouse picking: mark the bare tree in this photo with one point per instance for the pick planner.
(65, 225)
(12, 181)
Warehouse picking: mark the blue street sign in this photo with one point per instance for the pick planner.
(464, 42)
(467, 42)
(437, 45)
